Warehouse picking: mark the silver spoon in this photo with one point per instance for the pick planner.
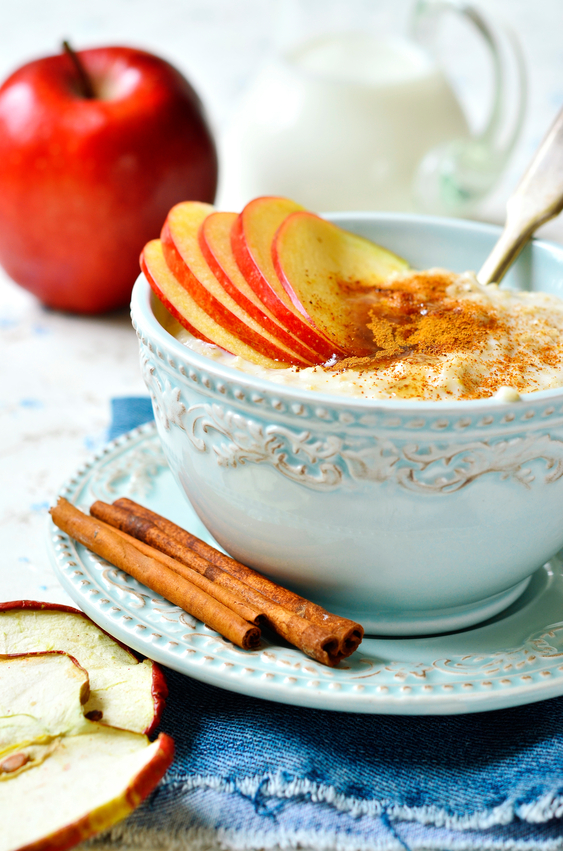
(537, 199)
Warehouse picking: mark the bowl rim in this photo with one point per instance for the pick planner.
(143, 315)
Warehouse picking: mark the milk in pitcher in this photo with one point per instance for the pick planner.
(340, 123)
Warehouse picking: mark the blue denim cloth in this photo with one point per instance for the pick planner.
(127, 412)
(253, 774)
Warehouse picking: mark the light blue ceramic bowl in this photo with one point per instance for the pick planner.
(411, 517)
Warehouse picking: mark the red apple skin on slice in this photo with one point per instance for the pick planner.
(150, 775)
(182, 306)
(186, 261)
(215, 243)
(195, 332)
(328, 273)
(251, 238)
(159, 692)
(158, 687)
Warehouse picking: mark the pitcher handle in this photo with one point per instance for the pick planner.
(455, 176)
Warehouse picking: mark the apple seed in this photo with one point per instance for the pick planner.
(13, 762)
(95, 715)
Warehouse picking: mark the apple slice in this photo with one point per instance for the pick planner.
(215, 243)
(252, 237)
(186, 261)
(330, 275)
(182, 306)
(123, 691)
(25, 716)
(85, 784)
(63, 777)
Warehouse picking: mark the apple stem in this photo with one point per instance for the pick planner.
(84, 82)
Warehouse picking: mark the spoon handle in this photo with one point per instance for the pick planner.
(537, 198)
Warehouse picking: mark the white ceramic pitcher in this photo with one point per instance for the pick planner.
(358, 120)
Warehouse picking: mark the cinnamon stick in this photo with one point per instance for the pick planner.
(321, 642)
(249, 613)
(107, 543)
(348, 633)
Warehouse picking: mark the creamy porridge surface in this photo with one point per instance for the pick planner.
(436, 335)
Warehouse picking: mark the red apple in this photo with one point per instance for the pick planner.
(85, 182)
(183, 254)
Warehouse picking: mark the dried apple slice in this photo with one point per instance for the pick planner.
(26, 716)
(123, 691)
(252, 237)
(185, 259)
(215, 243)
(182, 306)
(74, 776)
(85, 784)
(328, 273)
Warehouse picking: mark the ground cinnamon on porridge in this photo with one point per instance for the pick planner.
(435, 335)
(415, 316)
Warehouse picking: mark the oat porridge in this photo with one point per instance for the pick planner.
(433, 335)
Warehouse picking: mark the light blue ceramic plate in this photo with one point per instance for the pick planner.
(513, 659)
